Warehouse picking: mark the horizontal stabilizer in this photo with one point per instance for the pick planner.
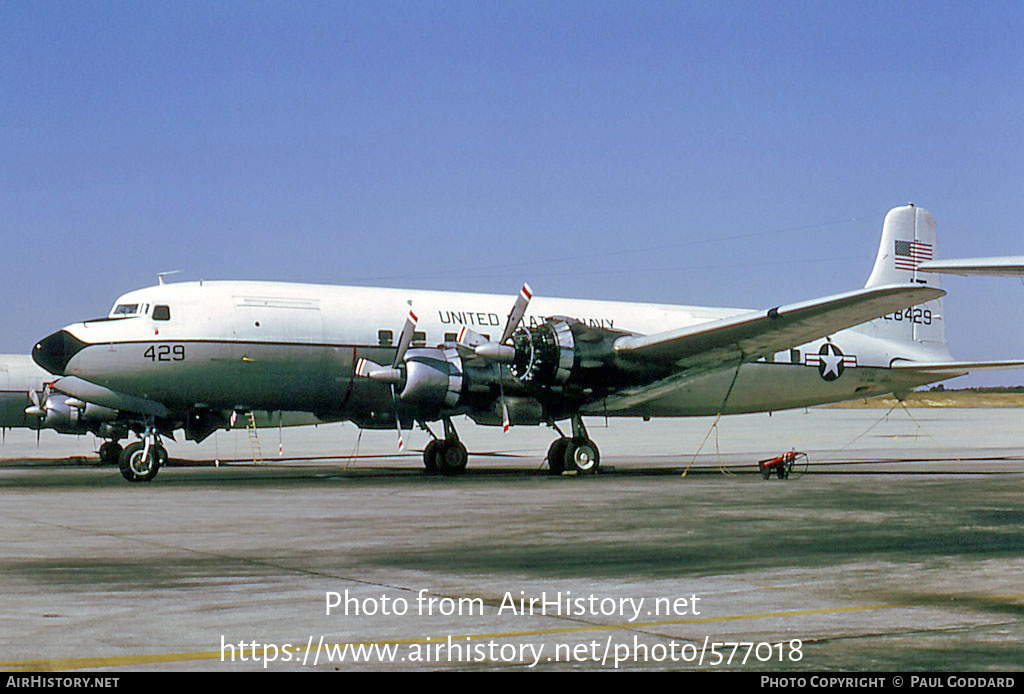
(1002, 266)
(957, 366)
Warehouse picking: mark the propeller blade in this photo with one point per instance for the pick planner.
(33, 396)
(467, 341)
(515, 316)
(364, 367)
(405, 339)
(398, 422)
(371, 369)
(493, 351)
(470, 338)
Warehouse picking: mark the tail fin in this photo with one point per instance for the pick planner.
(908, 239)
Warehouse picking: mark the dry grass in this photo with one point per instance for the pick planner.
(948, 398)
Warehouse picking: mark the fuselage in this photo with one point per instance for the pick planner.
(285, 346)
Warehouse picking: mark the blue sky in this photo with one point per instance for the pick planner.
(718, 153)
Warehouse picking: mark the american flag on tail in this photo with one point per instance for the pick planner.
(910, 254)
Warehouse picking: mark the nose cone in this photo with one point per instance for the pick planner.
(54, 352)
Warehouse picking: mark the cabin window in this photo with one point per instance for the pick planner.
(451, 337)
(794, 356)
(161, 312)
(419, 339)
(385, 338)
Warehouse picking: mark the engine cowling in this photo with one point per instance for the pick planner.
(564, 352)
(433, 378)
(544, 355)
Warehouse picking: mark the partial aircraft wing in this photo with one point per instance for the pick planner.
(704, 347)
(90, 392)
(1000, 266)
(758, 333)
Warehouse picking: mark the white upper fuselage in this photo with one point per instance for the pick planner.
(330, 314)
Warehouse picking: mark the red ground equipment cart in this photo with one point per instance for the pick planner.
(781, 465)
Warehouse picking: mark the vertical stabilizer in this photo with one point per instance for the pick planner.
(908, 239)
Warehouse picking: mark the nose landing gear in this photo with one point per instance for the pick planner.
(140, 461)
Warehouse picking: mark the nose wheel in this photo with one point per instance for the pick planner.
(137, 464)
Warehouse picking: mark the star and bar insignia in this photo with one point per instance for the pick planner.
(831, 361)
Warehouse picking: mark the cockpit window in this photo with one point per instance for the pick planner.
(124, 310)
(161, 312)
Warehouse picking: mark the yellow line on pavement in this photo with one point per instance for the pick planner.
(152, 658)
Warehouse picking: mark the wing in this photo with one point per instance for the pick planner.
(752, 335)
(724, 343)
(100, 395)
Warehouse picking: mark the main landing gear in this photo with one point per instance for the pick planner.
(578, 454)
(447, 456)
(140, 461)
(110, 452)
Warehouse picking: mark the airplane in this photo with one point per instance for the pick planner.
(188, 354)
(27, 400)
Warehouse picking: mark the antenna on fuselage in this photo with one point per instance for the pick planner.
(160, 275)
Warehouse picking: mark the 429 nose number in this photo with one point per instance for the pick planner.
(165, 353)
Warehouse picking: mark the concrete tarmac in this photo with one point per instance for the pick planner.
(899, 547)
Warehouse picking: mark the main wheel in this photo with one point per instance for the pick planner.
(430, 455)
(110, 452)
(582, 456)
(556, 456)
(137, 467)
(452, 458)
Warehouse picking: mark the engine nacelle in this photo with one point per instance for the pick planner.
(66, 418)
(564, 352)
(433, 378)
(545, 355)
